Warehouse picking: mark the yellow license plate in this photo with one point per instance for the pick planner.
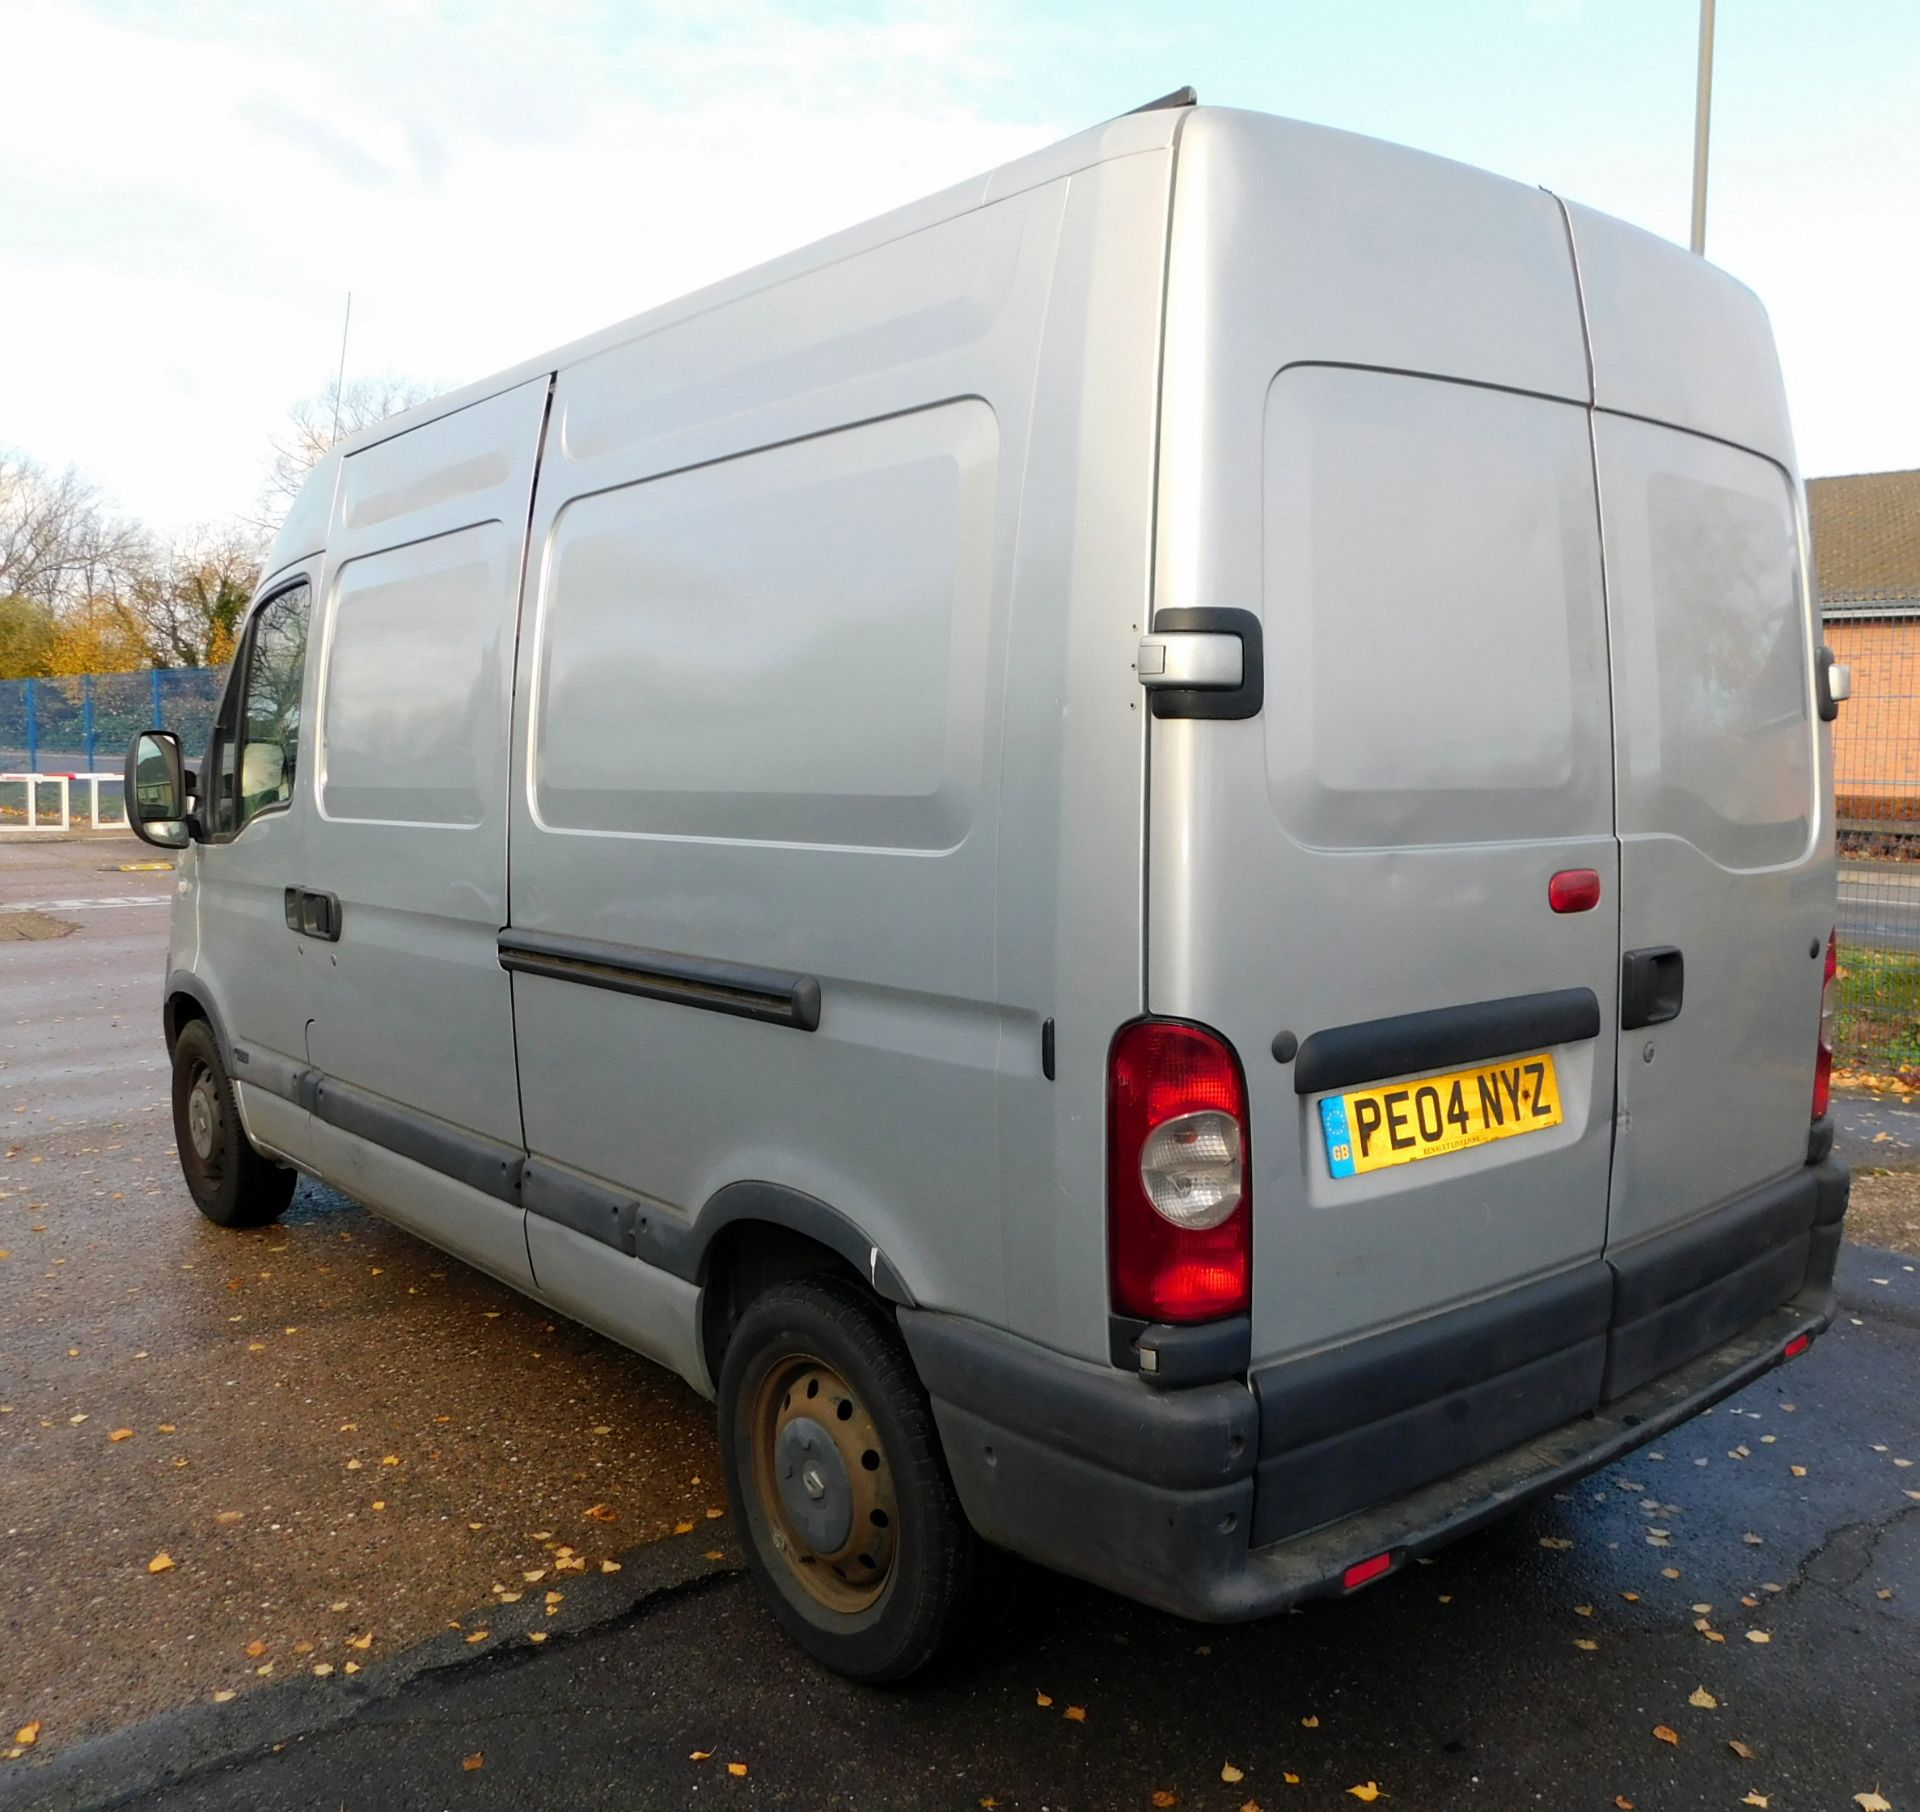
(1372, 1128)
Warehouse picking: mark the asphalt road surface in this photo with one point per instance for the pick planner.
(1532, 1665)
(1880, 905)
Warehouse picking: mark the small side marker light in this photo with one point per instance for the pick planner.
(1363, 1570)
(1574, 890)
(1796, 1346)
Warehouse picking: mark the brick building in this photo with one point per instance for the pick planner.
(1866, 551)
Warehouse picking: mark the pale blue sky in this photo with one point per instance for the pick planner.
(187, 189)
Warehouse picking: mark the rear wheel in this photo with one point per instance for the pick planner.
(834, 1468)
(232, 1184)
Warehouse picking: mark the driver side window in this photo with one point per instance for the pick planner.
(258, 757)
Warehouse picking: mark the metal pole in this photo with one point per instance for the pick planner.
(1702, 108)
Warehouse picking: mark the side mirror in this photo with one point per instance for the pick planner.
(156, 791)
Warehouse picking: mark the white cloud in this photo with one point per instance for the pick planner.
(190, 202)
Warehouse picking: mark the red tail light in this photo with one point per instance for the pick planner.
(1179, 1174)
(1823, 1060)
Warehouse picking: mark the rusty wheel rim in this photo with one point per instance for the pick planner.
(824, 1483)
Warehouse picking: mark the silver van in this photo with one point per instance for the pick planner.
(1142, 857)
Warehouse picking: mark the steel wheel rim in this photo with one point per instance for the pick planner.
(813, 1441)
(206, 1136)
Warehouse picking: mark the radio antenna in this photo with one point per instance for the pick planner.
(340, 381)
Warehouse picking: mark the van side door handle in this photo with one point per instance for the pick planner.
(1651, 985)
(313, 914)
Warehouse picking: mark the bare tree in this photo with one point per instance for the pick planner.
(314, 425)
(58, 545)
(185, 599)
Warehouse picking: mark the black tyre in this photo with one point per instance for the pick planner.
(231, 1184)
(835, 1473)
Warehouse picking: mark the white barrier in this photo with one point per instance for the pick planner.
(34, 782)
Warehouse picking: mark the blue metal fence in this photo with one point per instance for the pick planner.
(83, 723)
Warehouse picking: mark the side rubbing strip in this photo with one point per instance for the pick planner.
(771, 995)
(482, 1164)
(1378, 1048)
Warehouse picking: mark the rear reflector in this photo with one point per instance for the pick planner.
(1574, 890)
(1796, 1346)
(1362, 1570)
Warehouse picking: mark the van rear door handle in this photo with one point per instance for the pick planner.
(313, 914)
(1202, 663)
(1651, 985)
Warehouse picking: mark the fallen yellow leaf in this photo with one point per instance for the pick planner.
(1368, 1791)
(1161, 1797)
(683, 1528)
(1669, 1572)
(361, 1642)
(28, 1734)
(223, 1695)
(601, 1513)
(255, 1649)
(1758, 1636)
(736, 1768)
(160, 1563)
(478, 1635)
(609, 1566)
(1666, 1734)
(1043, 1698)
(1310, 1723)
(1076, 1714)
(536, 1635)
(701, 1755)
(323, 1668)
(1754, 1799)
(121, 1434)
(1583, 1610)
(1230, 1774)
(1621, 1800)
(1292, 1780)
(1585, 1642)
(1558, 1543)
(475, 1761)
(1703, 1699)
(1871, 1802)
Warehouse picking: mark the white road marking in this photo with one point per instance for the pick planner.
(148, 899)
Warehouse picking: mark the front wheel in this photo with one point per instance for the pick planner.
(833, 1465)
(231, 1184)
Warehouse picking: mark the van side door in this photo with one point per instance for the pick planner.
(255, 803)
(406, 867)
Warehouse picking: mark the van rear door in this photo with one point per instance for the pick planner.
(1727, 882)
(1376, 443)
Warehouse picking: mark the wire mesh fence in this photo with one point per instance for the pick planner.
(82, 723)
(1876, 758)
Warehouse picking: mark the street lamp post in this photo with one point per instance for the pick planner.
(1702, 107)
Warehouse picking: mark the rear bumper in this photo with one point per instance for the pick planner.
(1229, 1501)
